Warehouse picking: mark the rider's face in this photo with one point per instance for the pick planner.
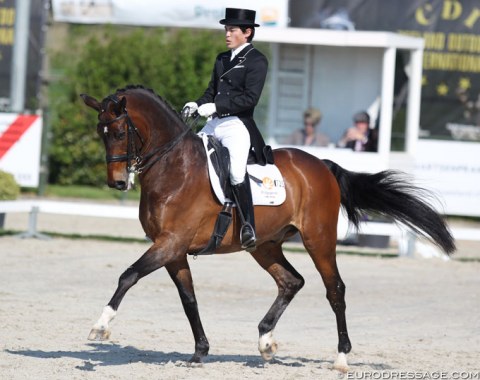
(234, 37)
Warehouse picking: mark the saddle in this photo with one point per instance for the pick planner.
(218, 157)
(267, 186)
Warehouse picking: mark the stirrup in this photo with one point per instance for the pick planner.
(250, 244)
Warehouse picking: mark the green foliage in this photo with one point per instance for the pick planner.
(176, 64)
(9, 189)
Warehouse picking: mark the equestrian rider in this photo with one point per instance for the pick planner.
(229, 101)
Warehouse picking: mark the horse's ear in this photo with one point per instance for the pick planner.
(123, 104)
(91, 102)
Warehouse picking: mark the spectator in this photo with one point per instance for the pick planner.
(309, 134)
(360, 137)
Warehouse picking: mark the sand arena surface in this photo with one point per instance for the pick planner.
(418, 315)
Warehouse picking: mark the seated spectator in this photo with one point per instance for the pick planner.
(309, 134)
(360, 137)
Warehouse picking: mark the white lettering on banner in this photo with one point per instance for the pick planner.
(20, 147)
(180, 13)
(394, 375)
(452, 170)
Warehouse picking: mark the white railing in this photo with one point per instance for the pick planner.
(406, 239)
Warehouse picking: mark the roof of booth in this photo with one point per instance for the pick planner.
(338, 38)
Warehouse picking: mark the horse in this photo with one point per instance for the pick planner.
(143, 134)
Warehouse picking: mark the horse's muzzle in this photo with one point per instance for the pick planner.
(119, 185)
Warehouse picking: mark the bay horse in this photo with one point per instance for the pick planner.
(143, 134)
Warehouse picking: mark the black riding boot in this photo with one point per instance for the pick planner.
(243, 198)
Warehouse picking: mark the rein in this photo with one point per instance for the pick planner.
(141, 164)
(160, 152)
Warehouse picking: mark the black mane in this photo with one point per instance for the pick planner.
(165, 103)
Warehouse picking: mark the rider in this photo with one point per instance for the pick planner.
(229, 101)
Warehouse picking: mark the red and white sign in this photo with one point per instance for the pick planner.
(20, 147)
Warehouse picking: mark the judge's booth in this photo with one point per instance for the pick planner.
(341, 73)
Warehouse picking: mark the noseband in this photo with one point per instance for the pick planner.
(141, 163)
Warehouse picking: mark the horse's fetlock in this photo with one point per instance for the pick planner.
(263, 328)
(202, 347)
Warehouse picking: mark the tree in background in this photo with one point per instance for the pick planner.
(175, 63)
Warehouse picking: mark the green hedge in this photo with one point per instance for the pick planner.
(175, 63)
(9, 189)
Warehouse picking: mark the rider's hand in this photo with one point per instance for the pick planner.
(207, 109)
(192, 108)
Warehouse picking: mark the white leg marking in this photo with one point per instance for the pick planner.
(267, 346)
(107, 316)
(341, 363)
(100, 330)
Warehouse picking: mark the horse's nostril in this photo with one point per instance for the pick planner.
(120, 185)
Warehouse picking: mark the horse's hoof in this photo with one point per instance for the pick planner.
(341, 363)
(267, 346)
(269, 354)
(99, 334)
(195, 362)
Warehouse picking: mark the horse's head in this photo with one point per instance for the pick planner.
(121, 138)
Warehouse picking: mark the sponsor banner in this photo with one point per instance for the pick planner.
(35, 48)
(452, 170)
(20, 147)
(451, 64)
(180, 13)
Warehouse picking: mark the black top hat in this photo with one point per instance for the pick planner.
(239, 17)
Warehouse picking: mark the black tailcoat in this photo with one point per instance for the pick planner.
(235, 88)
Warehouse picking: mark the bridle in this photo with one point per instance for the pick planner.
(141, 163)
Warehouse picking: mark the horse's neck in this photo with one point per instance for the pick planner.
(184, 162)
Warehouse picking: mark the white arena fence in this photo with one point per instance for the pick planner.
(405, 238)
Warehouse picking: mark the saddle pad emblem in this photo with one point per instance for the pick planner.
(266, 182)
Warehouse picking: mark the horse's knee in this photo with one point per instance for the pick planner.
(298, 283)
(292, 286)
(128, 278)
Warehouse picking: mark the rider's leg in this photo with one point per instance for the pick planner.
(243, 198)
(233, 134)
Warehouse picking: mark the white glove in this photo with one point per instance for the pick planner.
(207, 109)
(192, 108)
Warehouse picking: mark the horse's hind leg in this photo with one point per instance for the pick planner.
(180, 273)
(289, 282)
(150, 261)
(322, 250)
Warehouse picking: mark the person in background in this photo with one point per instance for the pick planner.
(360, 137)
(309, 134)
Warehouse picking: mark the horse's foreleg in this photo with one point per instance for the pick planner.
(289, 282)
(151, 260)
(179, 271)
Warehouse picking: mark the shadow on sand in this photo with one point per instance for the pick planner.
(101, 354)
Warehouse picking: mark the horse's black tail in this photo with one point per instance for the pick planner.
(387, 193)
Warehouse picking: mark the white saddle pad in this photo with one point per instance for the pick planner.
(268, 187)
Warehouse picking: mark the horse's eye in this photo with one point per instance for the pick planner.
(120, 135)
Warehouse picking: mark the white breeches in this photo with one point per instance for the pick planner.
(233, 135)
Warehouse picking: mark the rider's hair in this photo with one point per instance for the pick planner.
(252, 34)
